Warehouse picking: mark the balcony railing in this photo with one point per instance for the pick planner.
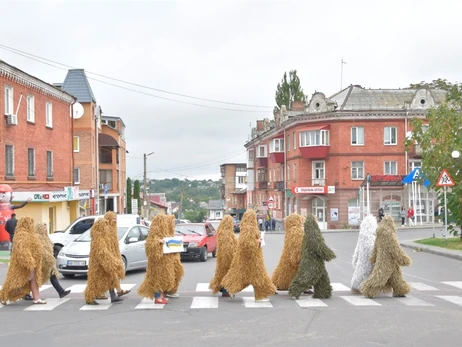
(105, 158)
(263, 185)
(318, 182)
(278, 185)
(415, 151)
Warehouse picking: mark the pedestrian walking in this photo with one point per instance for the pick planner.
(381, 214)
(10, 227)
(436, 213)
(410, 216)
(403, 215)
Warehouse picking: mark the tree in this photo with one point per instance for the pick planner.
(136, 195)
(438, 135)
(439, 83)
(288, 91)
(129, 195)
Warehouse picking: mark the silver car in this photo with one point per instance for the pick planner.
(73, 259)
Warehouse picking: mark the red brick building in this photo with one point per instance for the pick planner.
(233, 188)
(315, 157)
(36, 146)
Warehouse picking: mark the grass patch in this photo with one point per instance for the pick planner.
(453, 243)
(4, 261)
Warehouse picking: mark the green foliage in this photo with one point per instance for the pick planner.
(136, 195)
(289, 90)
(438, 135)
(129, 195)
(195, 216)
(435, 84)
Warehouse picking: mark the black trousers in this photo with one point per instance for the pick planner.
(55, 283)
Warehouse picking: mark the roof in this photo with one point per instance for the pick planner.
(76, 83)
(355, 97)
(155, 199)
(115, 118)
(215, 204)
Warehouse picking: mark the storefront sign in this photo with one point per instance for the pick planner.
(386, 178)
(314, 190)
(53, 196)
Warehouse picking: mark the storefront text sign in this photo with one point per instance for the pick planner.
(314, 190)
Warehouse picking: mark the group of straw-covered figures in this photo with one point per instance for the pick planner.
(377, 261)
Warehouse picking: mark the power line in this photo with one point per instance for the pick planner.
(30, 55)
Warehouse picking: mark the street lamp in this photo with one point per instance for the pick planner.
(144, 186)
(455, 154)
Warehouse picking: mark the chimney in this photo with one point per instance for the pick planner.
(260, 125)
(277, 116)
(298, 106)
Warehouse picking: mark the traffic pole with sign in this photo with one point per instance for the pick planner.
(445, 181)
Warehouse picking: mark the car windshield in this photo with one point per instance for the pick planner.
(85, 237)
(189, 229)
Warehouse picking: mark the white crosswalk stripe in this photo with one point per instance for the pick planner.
(410, 300)
(457, 284)
(204, 287)
(148, 304)
(451, 298)
(80, 288)
(422, 286)
(250, 302)
(51, 304)
(310, 302)
(204, 302)
(360, 301)
(103, 305)
(339, 287)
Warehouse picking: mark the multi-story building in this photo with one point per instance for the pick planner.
(234, 188)
(316, 157)
(36, 147)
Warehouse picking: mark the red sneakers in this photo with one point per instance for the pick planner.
(161, 301)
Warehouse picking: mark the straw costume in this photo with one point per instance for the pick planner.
(25, 262)
(291, 253)
(361, 264)
(388, 258)
(312, 270)
(226, 248)
(248, 267)
(160, 272)
(104, 266)
(179, 270)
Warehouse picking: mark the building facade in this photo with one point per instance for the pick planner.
(314, 158)
(234, 188)
(36, 147)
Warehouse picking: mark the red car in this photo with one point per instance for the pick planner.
(199, 239)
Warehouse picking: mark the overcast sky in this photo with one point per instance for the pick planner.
(232, 51)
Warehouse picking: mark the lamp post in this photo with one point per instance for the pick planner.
(145, 203)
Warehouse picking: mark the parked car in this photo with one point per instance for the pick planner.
(215, 223)
(181, 221)
(82, 224)
(199, 239)
(73, 259)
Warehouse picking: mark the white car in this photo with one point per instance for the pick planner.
(73, 259)
(82, 224)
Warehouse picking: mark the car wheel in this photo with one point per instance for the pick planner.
(68, 275)
(124, 261)
(204, 254)
(214, 253)
(56, 250)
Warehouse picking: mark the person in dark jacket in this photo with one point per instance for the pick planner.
(10, 227)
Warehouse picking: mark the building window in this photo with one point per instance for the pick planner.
(217, 214)
(9, 160)
(76, 144)
(295, 172)
(251, 156)
(76, 176)
(288, 142)
(241, 169)
(49, 115)
(314, 138)
(318, 173)
(105, 177)
(294, 137)
(9, 100)
(357, 136)
(241, 179)
(112, 124)
(357, 170)
(30, 108)
(261, 152)
(390, 135)
(288, 173)
(277, 145)
(30, 162)
(49, 164)
(391, 168)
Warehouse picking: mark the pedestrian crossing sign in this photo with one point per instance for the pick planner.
(445, 180)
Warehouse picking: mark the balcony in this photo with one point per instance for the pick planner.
(263, 185)
(277, 157)
(315, 152)
(262, 162)
(105, 158)
(415, 151)
(318, 182)
(278, 185)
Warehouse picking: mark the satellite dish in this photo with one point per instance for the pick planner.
(77, 111)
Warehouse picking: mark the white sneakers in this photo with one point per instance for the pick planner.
(176, 295)
(262, 300)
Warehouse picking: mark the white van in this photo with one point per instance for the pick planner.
(82, 224)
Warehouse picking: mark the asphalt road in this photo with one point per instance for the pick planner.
(426, 318)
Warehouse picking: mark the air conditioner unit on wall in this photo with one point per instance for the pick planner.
(11, 119)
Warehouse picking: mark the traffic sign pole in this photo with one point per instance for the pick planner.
(445, 216)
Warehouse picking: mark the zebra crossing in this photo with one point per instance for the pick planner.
(422, 295)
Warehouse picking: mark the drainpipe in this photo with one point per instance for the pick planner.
(285, 174)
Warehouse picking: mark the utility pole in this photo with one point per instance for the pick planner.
(181, 201)
(145, 194)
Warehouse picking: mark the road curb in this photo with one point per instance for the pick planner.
(432, 249)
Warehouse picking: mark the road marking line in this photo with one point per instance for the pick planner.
(457, 284)
(99, 307)
(360, 301)
(51, 304)
(45, 287)
(410, 300)
(127, 286)
(250, 302)
(451, 298)
(148, 304)
(77, 288)
(310, 302)
(204, 302)
(338, 287)
(422, 286)
(204, 287)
